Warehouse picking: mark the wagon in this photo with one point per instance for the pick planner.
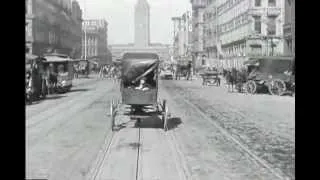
(139, 89)
(270, 74)
(210, 78)
(182, 69)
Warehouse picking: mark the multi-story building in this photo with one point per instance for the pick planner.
(198, 52)
(29, 19)
(95, 39)
(76, 30)
(53, 26)
(289, 28)
(182, 36)
(243, 28)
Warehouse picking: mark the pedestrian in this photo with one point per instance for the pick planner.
(189, 66)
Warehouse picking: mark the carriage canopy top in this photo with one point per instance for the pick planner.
(138, 65)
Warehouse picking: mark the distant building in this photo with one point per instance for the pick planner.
(198, 52)
(141, 35)
(182, 37)
(48, 31)
(142, 24)
(289, 28)
(96, 39)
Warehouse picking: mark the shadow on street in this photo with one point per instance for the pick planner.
(155, 122)
(53, 97)
(78, 90)
(174, 122)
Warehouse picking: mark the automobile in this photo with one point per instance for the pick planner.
(271, 74)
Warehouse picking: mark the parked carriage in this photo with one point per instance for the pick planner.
(271, 74)
(139, 89)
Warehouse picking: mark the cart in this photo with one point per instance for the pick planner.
(210, 78)
(137, 68)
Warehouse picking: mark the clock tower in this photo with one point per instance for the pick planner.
(142, 24)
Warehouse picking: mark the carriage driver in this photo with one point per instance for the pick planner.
(143, 85)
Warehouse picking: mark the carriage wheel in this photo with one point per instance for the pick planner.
(277, 87)
(251, 87)
(112, 114)
(165, 115)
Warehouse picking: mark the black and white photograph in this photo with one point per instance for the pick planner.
(160, 89)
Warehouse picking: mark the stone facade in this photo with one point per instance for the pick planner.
(182, 37)
(198, 52)
(96, 38)
(54, 26)
(289, 28)
(243, 28)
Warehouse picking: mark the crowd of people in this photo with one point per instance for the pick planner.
(109, 71)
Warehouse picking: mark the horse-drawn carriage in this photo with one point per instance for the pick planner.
(35, 81)
(139, 89)
(210, 77)
(271, 74)
(81, 67)
(183, 69)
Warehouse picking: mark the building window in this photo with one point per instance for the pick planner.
(257, 3)
(271, 29)
(272, 3)
(257, 24)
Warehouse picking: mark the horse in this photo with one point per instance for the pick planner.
(235, 78)
(231, 78)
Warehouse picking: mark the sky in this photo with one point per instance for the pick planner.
(120, 17)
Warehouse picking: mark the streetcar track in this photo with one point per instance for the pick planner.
(105, 152)
(57, 126)
(181, 166)
(138, 154)
(63, 105)
(278, 168)
(225, 132)
(49, 105)
(68, 104)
